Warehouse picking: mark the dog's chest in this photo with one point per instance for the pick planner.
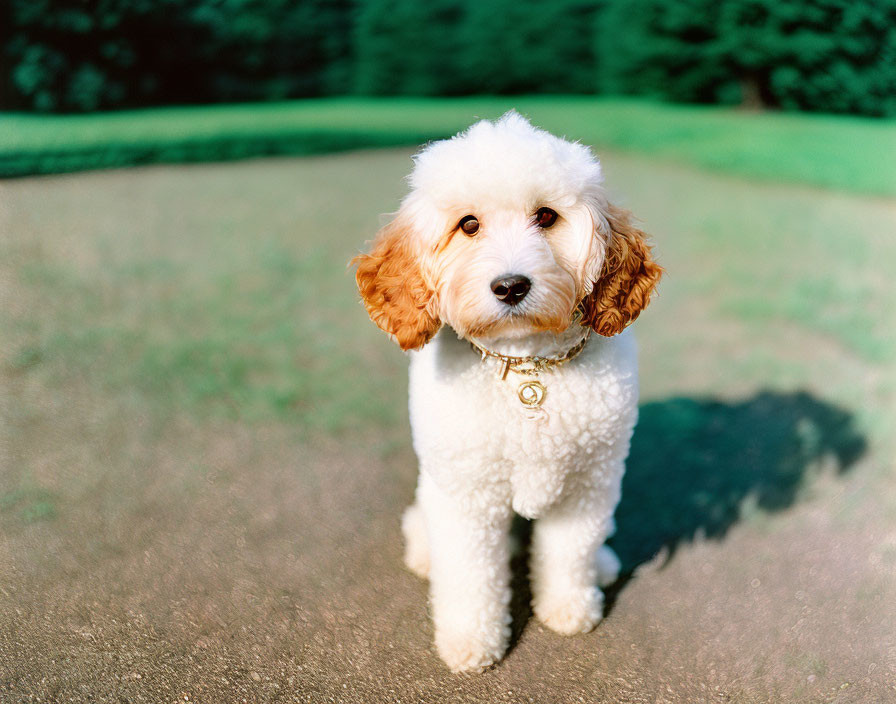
(584, 414)
(471, 429)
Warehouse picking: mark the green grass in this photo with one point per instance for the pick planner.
(31, 504)
(201, 299)
(854, 154)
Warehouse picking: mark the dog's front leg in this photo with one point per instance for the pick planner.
(469, 575)
(566, 559)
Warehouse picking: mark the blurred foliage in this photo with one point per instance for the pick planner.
(82, 55)
(826, 55)
(455, 47)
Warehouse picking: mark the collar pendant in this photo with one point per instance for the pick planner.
(531, 392)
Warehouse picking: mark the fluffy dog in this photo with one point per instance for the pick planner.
(500, 263)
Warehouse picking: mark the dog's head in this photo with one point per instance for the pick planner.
(506, 232)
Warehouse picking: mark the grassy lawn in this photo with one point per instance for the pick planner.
(205, 446)
(854, 154)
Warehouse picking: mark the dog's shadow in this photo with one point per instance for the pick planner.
(697, 464)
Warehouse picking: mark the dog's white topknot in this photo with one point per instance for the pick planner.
(509, 158)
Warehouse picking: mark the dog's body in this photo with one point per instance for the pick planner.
(522, 255)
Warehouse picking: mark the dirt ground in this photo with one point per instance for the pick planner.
(153, 553)
(255, 587)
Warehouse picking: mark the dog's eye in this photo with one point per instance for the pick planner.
(545, 217)
(469, 225)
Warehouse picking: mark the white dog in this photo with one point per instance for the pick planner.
(507, 237)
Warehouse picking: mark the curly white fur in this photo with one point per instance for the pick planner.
(482, 455)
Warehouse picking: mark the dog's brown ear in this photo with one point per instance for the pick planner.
(393, 289)
(627, 278)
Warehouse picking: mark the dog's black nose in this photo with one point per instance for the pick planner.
(511, 289)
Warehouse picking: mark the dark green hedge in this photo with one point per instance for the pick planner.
(82, 55)
(456, 47)
(824, 55)
(226, 147)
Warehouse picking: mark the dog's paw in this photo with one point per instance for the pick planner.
(608, 566)
(466, 652)
(416, 541)
(570, 613)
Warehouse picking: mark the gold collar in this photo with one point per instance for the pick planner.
(532, 392)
